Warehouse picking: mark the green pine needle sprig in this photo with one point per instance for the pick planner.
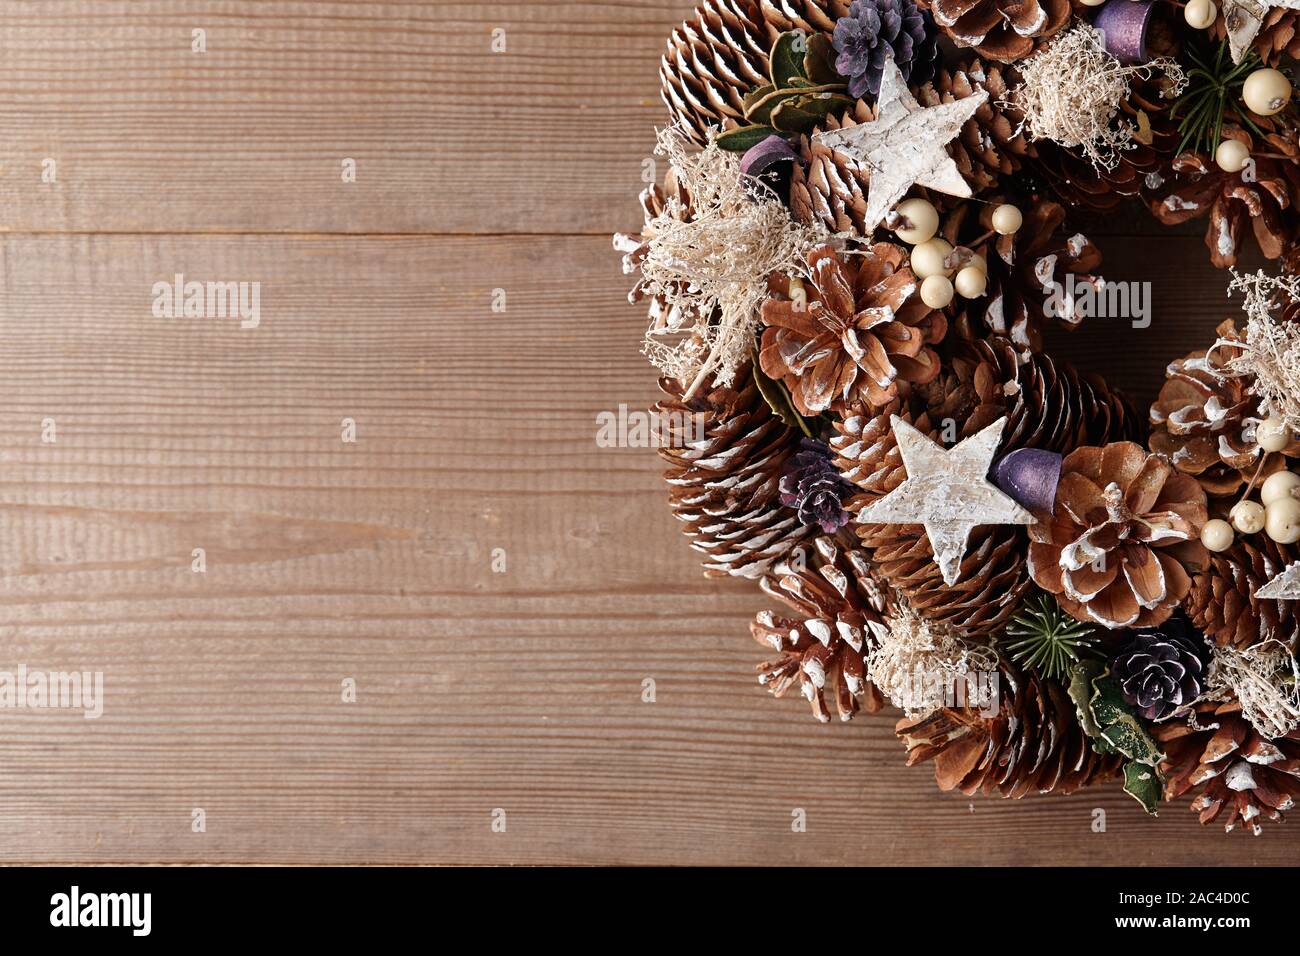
(1047, 640)
(1214, 85)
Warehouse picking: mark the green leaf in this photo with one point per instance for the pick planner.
(787, 56)
(819, 62)
(743, 138)
(777, 397)
(1144, 785)
(753, 96)
(803, 113)
(1121, 729)
(1080, 689)
(760, 111)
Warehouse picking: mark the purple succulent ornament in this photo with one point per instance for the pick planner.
(873, 30)
(811, 485)
(1161, 669)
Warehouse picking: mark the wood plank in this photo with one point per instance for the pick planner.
(448, 136)
(476, 690)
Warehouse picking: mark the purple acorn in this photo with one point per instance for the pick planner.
(811, 485)
(875, 29)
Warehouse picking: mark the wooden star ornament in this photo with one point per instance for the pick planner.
(904, 145)
(1284, 587)
(1243, 18)
(948, 491)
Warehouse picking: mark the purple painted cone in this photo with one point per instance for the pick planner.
(1030, 475)
(765, 154)
(1123, 24)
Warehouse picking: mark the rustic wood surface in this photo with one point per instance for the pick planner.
(476, 691)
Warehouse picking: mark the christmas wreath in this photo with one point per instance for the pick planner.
(849, 266)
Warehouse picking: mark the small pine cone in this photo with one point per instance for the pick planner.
(990, 143)
(712, 61)
(827, 187)
(1203, 421)
(1259, 198)
(1002, 30)
(1033, 744)
(1278, 36)
(1124, 539)
(1079, 183)
(1046, 407)
(1161, 669)
(1222, 600)
(1217, 753)
(841, 609)
(724, 480)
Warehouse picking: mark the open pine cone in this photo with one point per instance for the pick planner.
(1259, 198)
(1203, 421)
(828, 187)
(1002, 30)
(1222, 600)
(862, 329)
(1124, 538)
(674, 198)
(1235, 771)
(725, 483)
(840, 607)
(1047, 406)
(1034, 744)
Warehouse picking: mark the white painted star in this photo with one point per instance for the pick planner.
(904, 145)
(1243, 19)
(948, 491)
(1284, 587)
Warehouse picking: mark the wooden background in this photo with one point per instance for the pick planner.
(477, 690)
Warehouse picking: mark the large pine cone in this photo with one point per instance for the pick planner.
(712, 61)
(990, 143)
(1002, 30)
(1217, 752)
(724, 484)
(1259, 198)
(1124, 538)
(1203, 421)
(841, 609)
(1080, 183)
(1032, 273)
(1034, 744)
(1222, 600)
(1047, 407)
(810, 16)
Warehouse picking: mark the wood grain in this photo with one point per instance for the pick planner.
(476, 690)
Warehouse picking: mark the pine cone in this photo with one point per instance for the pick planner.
(1219, 753)
(1258, 197)
(713, 60)
(1123, 539)
(1078, 182)
(724, 484)
(676, 200)
(827, 187)
(1161, 669)
(862, 328)
(982, 383)
(840, 607)
(811, 16)
(1034, 744)
(1032, 273)
(990, 143)
(874, 31)
(1203, 421)
(1002, 30)
(1222, 600)
(812, 486)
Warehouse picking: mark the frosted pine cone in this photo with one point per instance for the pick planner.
(1002, 30)
(841, 609)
